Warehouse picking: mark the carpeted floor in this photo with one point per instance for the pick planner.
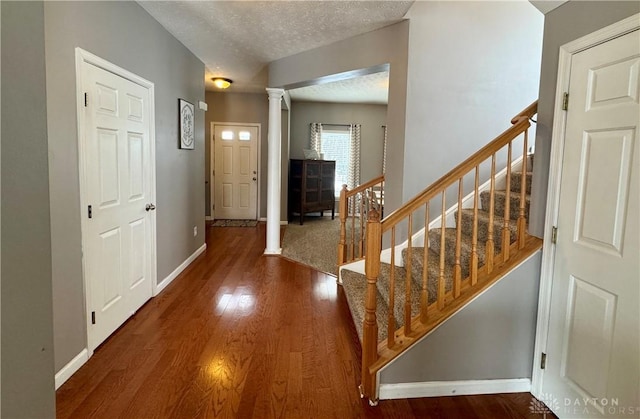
(314, 244)
(234, 223)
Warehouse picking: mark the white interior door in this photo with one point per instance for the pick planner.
(117, 237)
(593, 347)
(235, 172)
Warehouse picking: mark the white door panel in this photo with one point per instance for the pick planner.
(235, 192)
(593, 348)
(117, 165)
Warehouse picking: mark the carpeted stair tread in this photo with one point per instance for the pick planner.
(483, 226)
(499, 202)
(400, 294)
(355, 289)
(516, 181)
(433, 272)
(450, 248)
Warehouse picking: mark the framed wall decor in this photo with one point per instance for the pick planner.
(186, 124)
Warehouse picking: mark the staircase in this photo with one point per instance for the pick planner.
(354, 283)
(431, 276)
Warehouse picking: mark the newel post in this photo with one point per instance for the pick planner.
(342, 212)
(370, 327)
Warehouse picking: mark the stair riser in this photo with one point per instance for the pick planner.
(354, 287)
(450, 252)
(516, 181)
(499, 204)
(384, 290)
(433, 275)
(483, 229)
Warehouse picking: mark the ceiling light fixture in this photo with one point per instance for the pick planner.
(221, 83)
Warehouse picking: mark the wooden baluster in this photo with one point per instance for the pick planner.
(490, 245)
(391, 328)
(424, 294)
(522, 221)
(443, 226)
(407, 291)
(506, 233)
(342, 210)
(352, 212)
(370, 324)
(473, 269)
(362, 226)
(457, 269)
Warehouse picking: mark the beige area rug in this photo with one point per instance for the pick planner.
(234, 223)
(314, 244)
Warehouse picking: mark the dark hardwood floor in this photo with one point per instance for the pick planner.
(242, 335)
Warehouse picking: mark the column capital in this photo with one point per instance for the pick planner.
(275, 93)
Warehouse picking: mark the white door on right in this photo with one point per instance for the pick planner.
(593, 348)
(235, 193)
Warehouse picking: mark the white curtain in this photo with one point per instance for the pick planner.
(354, 156)
(315, 142)
(384, 151)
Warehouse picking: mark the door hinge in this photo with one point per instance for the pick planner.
(554, 234)
(543, 361)
(213, 173)
(565, 101)
(86, 99)
(93, 317)
(89, 211)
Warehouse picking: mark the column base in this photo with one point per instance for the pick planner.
(275, 252)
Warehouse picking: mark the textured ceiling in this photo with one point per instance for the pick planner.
(237, 39)
(372, 88)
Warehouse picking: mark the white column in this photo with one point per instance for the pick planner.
(273, 172)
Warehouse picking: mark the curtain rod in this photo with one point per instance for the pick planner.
(334, 125)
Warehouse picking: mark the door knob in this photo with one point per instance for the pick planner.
(150, 207)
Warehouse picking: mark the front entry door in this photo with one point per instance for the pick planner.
(117, 162)
(593, 349)
(235, 172)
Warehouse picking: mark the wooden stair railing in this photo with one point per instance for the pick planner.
(414, 215)
(353, 208)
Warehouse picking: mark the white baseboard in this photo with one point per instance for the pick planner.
(453, 388)
(74, 365)
(208, 218)
(163, 284)
(264, 220)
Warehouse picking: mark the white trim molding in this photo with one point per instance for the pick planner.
(177, 271)
(555, 172)
(74, 365)
(453, 388)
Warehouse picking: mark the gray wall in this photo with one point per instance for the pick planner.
(384, 46)
(567, 23)
(491, 338)
(472, 67)
(370, 116)
(27, 329)
(249, 108)
(126, 35)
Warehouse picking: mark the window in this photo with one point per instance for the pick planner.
(336, 145)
